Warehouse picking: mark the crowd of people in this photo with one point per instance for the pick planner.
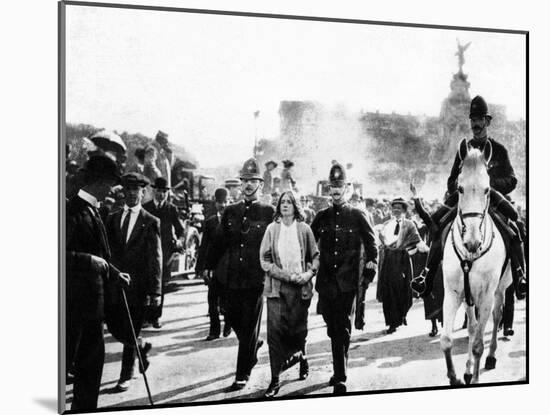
(263, 241)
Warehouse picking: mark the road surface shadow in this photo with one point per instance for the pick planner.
(48, 403)
(163, 396)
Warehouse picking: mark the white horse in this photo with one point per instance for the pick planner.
(473, 262)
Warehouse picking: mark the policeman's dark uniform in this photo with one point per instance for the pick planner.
(502, 181)
(340, 230)
(241, 231)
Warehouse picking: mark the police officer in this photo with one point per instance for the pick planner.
(502, 181)
(241, 231)
(340, 230)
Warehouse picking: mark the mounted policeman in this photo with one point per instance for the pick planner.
(502, 181)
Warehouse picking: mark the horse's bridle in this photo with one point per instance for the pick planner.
(480, 215)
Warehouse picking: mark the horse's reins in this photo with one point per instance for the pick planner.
(466, 258)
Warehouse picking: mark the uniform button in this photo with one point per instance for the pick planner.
(336, 239)
(335, 266)
(240, 259)
(247, 207)
(336, 226)
(242, 245)
(335, 252)
(337, 213)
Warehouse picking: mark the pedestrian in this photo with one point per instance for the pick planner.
(242, 228)
(150, 170)
(234, 188)
(134, 235)
(398, 237)
(289, 256)
(287, 181)
(340, 231)
(164, 159)
(140, 161)
(171, 230)
(89, 270)
(214, 277)
(268, 178)
(309, 213)
(433, 303)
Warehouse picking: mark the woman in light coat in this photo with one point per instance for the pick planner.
(289, 256)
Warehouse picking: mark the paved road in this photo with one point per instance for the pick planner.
(185, 368)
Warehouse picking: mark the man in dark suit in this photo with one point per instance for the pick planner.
(340, 231)
(134, 235)
(170, 226)
(215, 278)
(88, 270)
(242, 228)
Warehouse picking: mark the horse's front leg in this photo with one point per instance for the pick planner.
(472, 325)
(477, 346)
(451, 302)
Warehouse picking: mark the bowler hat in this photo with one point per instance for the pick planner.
(369, 202)
(250, 170)
(161, 184)
(102, 167)
(479, 108)
(337, 175)
(134, 179)
(287, 163)
(271, 162)
(400, 201)
(220, 194)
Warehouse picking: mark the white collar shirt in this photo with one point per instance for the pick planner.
(133, 211)
(389, 230)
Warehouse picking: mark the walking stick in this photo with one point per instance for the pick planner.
(137, 346)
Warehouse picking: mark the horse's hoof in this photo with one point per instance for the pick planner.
(456, 382)
(468, 378)
(490, 362)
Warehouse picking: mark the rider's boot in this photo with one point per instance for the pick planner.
(517, 258)
(423, 283)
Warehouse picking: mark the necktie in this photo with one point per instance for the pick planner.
(125, 225)
(396, 231)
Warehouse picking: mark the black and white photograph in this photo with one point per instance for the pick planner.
(259, 207)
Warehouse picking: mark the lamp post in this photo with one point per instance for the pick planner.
(256, 115)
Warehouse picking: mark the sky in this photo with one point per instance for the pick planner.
(201, 77)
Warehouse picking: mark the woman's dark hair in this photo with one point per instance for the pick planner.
(298, 214)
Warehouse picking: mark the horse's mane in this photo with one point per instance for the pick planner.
(473, 161)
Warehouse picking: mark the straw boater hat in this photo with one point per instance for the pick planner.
(108, 140)
(271, 162)
(400, 201)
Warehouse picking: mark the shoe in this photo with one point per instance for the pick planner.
(391, 330)
(238, 385)
(295, 358)
(211, 337)
(143, 351)
(331, 381)
(273, 388)
(156, 324)
(418, 284)
(226, 330)
(69, 379)
(434, 332)
(122, 385)
(146, 325)
(304, 368)
(340, 388)
(521, 288)
(508, 331)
